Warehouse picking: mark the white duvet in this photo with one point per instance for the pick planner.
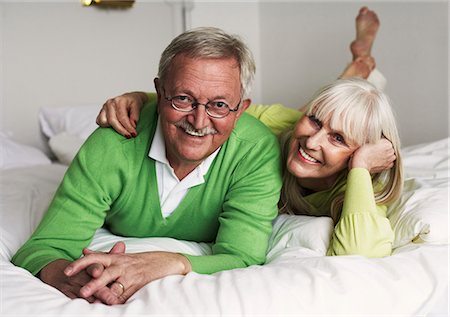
(297, 278)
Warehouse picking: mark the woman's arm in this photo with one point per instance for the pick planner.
(122, 112)
(363, 227)
(276, 117)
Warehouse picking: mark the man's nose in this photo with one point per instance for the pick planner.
(200, 118)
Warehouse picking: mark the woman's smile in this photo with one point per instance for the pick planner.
(306, 157)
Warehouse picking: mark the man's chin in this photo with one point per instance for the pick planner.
(194, 158)
(194, 153)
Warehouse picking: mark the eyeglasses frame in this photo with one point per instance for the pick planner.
(195, 105)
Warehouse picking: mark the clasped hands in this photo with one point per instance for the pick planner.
(111, 278)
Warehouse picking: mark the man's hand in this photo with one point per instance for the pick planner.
(53, 274)
(122, 113)
(375, 157)
(129, 272)
(96, 269)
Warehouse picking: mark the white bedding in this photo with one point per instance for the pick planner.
(297, 278)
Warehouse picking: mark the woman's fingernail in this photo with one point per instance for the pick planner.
(68, 270)
(133, 134)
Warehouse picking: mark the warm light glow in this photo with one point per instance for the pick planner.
(108, 3)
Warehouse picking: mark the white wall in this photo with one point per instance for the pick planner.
(63, 54)
(55, 53)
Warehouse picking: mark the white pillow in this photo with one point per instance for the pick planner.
(421, 214)
(13, 154)
(292, 231)
(76, 121)
(65, 146)
(67, 128)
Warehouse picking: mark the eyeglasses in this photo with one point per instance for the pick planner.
(214, 109)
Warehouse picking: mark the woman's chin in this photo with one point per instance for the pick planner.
(296, 168)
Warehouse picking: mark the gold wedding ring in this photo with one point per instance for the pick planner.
(121, 286)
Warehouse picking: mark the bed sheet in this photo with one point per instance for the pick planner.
(298, 279)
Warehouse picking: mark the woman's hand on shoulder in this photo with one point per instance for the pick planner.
(375, 157)
(122, 113)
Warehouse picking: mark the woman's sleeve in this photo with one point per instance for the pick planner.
(276, 117)
(363, 228)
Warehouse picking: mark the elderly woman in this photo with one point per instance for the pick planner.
(342, 159)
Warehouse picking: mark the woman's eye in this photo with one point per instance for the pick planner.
(315, 121)
(339, 138)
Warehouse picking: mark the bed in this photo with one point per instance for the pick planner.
(298, 279)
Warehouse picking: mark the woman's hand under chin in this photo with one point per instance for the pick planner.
(375, 157)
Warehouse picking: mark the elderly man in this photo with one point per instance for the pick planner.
(200, 169)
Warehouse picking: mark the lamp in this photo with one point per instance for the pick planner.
(108, 3)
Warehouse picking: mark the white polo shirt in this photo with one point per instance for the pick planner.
(171, 190)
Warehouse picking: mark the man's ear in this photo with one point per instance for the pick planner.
(157, 82)
(244, 106)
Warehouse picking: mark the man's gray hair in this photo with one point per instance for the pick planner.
(210, 42)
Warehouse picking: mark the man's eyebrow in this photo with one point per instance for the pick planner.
(181, 90)
(191, 93)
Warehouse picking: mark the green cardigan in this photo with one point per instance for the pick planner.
(112, 183)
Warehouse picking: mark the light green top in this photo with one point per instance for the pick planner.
(363, 227)
(112, 183)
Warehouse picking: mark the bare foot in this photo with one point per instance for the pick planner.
(367, 25)
(360, 67)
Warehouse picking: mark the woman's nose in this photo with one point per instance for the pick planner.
(314, 140)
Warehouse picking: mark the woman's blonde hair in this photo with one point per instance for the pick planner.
(364, 115)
